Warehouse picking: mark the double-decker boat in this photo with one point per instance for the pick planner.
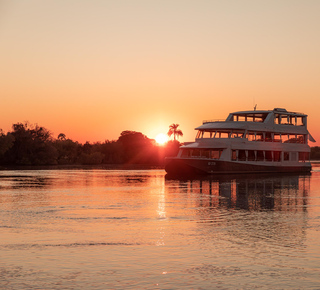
(247, 141)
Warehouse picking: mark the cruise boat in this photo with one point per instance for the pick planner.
(247, 141)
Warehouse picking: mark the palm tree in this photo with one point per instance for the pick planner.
(173, 130)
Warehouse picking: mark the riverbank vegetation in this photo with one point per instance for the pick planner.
(315, 153)
(30, 144)
(34, 145)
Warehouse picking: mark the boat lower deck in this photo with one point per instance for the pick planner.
(176, 165)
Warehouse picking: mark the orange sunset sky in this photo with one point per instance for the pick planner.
(92, 69)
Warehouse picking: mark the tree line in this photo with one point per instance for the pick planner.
(28, 144)
(315, 153)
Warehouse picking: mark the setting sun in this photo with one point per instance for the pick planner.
(161, 138)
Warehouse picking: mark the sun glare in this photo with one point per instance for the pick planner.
(161, 138)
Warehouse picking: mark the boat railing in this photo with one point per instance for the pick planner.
(213, 121)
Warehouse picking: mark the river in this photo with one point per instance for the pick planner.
(138, 229)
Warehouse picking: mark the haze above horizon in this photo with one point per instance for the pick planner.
(92, 69)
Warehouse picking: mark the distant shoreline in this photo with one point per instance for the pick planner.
(84, 167)
(315, 163)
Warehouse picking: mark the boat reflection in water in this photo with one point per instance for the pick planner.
(250, 192)
(259, 226)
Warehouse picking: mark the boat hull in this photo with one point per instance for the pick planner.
(183, 166)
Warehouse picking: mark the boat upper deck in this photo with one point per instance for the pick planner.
(265, 120)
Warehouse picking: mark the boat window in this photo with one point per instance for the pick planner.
(207, 134)
(185, 153)
(285, 138)
(277, 156)
(260, 155)
(223, 134)
(276, 137)
(286, 156)
(215, 154)
(268, 155)
(291, 138)
(299, 121)
(259, 137)
(196, 153)
(198, 134)
(249, 117)
(241, 118)
(268, 137)
(234, 155)
(285, 119)
(236, 134)
(294, 156)
(242, 155)
(251, 155)
(251, 136)
(205, 153)
(301, 139)
(303, 156)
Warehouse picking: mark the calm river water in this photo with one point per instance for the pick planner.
(137, 229)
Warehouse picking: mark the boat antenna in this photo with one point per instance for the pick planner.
(254, 105)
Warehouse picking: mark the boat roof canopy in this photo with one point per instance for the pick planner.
(261, 112)
(258, 120)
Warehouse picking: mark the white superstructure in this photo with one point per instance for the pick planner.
(264, 141)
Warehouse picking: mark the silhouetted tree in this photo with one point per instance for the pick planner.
(173, 130)
(40, 133)
(68, 151)
(137, 148)
(91, 158)
(6, 142)
(315, 153)
(32, 146)
(111, 150)
(87, 147)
